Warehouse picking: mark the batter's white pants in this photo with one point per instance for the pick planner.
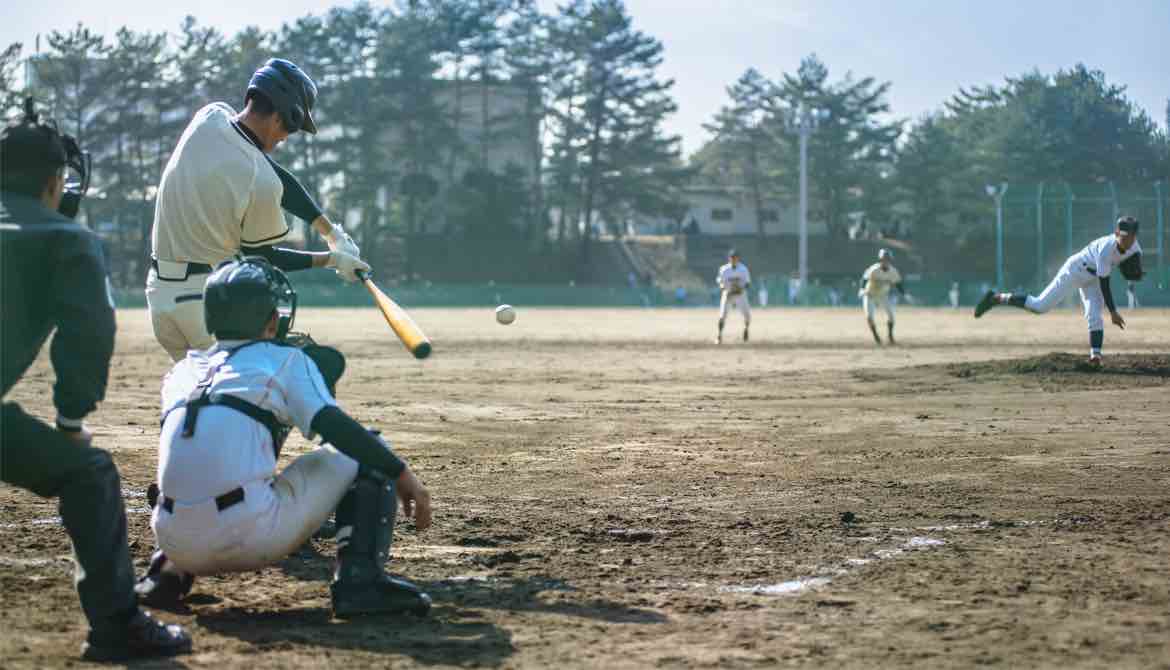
(276, 517)
(176, 313)
(1072, 275)
(738, 302)
(870, 304)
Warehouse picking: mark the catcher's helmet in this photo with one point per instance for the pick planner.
(241, 295)
(291, 91)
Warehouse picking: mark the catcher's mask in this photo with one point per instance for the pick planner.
(35, 143)
(242, 294)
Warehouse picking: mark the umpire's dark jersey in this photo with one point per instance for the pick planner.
(53, 276)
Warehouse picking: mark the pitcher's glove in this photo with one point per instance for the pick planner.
(329, 360)
(1131, 268)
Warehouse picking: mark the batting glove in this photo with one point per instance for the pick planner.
(346, 265)
(339, 240)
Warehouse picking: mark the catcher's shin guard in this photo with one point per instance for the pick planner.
(365, 527)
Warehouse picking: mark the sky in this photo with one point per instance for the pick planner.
(927, 49)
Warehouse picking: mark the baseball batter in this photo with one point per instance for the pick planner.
(1087, 271)
(734, 280)
(221, 193)
(876, 283)
(222, 506)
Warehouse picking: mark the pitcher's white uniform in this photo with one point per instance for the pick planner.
(217, 193)
(732, 284)
(231, 450)
(1082, 271)
(878, 283)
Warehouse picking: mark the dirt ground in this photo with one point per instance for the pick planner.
(612, 490)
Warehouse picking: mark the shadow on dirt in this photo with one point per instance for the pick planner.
(447, 636)
(453, 634)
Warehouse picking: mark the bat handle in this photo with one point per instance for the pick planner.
(362, 275)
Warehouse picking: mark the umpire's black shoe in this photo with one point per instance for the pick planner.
(985, 304)
(163, 590)
(386, 595)
(145, 637)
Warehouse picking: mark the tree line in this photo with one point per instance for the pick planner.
(412, 129)
(409, 116)
(929, 175)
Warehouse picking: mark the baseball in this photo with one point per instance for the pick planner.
(505, 314)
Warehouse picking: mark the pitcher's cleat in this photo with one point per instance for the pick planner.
(985, 304)
(1095, 360)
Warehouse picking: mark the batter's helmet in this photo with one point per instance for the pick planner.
(291, 92)
(1128, 224)
(241, 295)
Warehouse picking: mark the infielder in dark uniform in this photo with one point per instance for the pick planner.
(54, 277)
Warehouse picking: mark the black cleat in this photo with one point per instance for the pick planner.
(145, 638)
(387, 595)
(985, 304)
(163, 590)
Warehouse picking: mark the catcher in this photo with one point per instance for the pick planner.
(734, 280)
(1088, 271)
(222, 506)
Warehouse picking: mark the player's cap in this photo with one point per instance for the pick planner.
(291, 91)
(1128, 224)
(732, 252)
(885, 253)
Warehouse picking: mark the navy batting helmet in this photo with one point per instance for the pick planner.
(241, 295)
(291, 91)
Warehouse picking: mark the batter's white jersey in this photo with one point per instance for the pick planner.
(733, 280)
(232, 452)
(217, 193)
(879, 281)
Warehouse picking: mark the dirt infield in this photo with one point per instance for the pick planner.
(612, 490)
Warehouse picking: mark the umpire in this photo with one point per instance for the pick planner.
(53, 275)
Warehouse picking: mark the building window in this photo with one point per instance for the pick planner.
(769, 216)
(721, 215)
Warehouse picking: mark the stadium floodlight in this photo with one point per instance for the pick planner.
(803, 121)
(997, 193)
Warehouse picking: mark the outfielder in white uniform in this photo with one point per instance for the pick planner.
(1087, 271)
(221, 194)
(876, 283)
(222, 506)
(734, 281)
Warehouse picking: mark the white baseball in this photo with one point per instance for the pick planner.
(505, 314)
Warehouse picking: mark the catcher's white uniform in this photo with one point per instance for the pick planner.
(217, 193)
(1082, 271)
(231, 454)
(878, 282)
(733, 281)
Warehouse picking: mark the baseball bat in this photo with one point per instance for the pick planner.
(399, 321)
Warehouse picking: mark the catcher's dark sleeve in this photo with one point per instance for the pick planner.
(83, 311)
(289, 260)
(351, 439)
(1108, 293)
(296, 198)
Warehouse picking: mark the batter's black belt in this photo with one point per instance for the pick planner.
(233, 497)
(192, 269)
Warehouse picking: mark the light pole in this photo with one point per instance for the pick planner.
(997, 194)
(803, 121)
